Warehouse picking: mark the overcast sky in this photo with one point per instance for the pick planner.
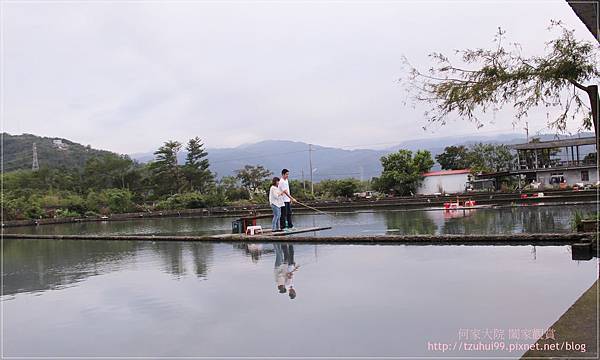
(127, 76)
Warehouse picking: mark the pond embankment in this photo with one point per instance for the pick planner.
(585, 239)
(430, 202)
(574, 334)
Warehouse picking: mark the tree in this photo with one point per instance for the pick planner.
(119, 200)
(109, 171)
(339, 188)
(166, 172)
(229, 185)
(253, 177)
(196, 168)
(485, 158)
(590, 158)
(492, 78)
(402, 173)
(301, 190)
(453, 158)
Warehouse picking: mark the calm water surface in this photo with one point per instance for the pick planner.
(538, 219)
(120, 298)
(116, 298)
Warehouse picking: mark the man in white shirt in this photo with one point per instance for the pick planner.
(286, 209)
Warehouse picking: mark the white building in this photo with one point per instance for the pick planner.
(553, 162)
(57, 143)
(553, 177)
(444, 182)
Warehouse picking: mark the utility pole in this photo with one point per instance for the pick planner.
(527, 130)
(312, 187)
(303, 182)
(35, 166)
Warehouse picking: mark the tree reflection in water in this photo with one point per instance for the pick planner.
(510, 220)
(410, 223)
(175, 253)
(38, 265)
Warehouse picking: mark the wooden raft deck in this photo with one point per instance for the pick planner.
(269, 232)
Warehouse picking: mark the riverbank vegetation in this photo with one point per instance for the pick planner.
(109, 184)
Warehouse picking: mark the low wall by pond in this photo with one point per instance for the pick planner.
(496, 239)
(500, 200)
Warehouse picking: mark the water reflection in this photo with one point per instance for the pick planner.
(478, 221)
(285, 269)
(189, 299)
(173, 255)
(254, 251)
(41, 265)
(532, 219)
(38, 265)
(416, 223)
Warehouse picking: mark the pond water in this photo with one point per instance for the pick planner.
(532, 219)
(120, 298)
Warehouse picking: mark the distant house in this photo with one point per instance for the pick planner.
(59, 144)
(444, 182)
(553, 164)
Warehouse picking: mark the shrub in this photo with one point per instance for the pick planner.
(215, 198)
(91, 214)
(95, 201)
(33, 209)
(66, 213)
(191, 200)
(119, 200)
(74, 204)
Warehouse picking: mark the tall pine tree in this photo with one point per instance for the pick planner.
(196, 169)
(167, 175)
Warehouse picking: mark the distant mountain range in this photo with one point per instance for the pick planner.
(327, 162)
(330, 162)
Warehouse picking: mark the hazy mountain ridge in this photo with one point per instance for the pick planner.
(328, 162)
(331, 162)
(18, 152)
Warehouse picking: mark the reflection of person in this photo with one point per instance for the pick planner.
(289, 281)
(285, 267)
(286, 209)
(276, 202)
(288, 258)
(280, 269)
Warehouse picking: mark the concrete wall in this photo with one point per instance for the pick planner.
(571, 176)
(450, 184)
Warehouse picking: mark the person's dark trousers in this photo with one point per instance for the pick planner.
(286, 216)
(288, 254)
(283, 217)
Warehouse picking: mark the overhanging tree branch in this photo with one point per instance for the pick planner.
(502, 76)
